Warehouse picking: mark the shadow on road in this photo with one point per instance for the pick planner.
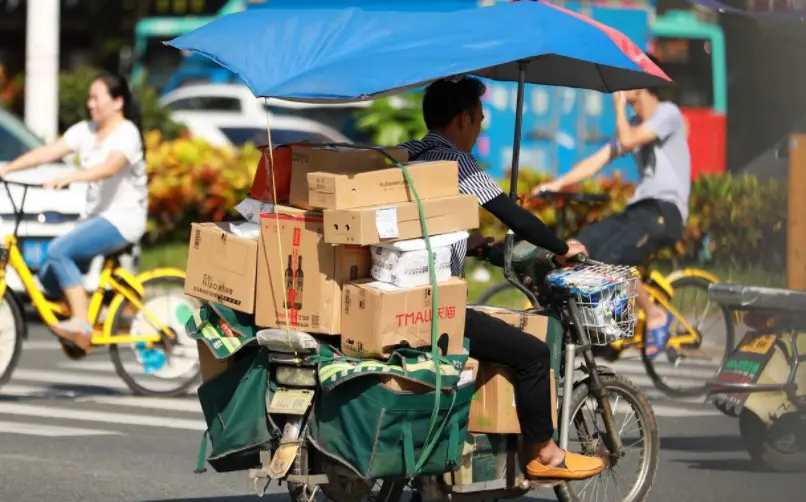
(702, 444)
(726, 465)
(270, 497)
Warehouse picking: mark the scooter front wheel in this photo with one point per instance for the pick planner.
(780, 446)
(640, 440)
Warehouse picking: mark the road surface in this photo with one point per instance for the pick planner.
(71, 431)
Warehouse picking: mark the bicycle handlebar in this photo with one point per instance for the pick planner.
(585, 198)
(21, 184)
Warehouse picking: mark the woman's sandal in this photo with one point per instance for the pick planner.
(657, 339)
(73, 332)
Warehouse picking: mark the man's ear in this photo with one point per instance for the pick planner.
(464, 120)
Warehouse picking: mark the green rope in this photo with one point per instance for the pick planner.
(430, 441)
(431, 438)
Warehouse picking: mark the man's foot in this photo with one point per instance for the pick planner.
(657, 335)
(76, 331)
(571, 468)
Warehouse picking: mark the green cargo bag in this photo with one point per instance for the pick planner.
(378, 432)
(234, 402)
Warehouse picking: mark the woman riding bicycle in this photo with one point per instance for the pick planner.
(656, 215)
(111, 154)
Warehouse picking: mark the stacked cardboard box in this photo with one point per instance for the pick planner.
(377, 210)
(341, 251)
(307, 261)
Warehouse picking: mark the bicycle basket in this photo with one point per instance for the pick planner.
(605, 295)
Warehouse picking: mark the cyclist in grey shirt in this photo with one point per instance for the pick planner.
(655, 216)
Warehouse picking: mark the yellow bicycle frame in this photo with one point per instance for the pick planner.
(121, 281)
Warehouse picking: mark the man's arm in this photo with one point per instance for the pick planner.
(581, 171)
(631, 137)
(666, 120)
(525, 224)
(490, 196)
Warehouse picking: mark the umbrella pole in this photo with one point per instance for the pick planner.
(509, 242)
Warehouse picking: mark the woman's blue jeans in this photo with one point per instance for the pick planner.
(88, 239)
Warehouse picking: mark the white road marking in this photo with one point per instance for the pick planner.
(155, 403)
(101, 416)
(47, 430)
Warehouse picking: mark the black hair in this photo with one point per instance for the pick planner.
(445, 99)
(118, 87)
(665, 92)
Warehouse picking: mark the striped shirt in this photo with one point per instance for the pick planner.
(472, 180)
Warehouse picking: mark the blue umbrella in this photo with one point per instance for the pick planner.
(356, 53)
(350, 54)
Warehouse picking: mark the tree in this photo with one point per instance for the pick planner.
(393, 120)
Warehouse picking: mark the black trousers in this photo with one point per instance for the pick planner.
(630, 237)
(495, 341)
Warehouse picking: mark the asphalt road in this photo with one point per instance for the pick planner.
(71, 431)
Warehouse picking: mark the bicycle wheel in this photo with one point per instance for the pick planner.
(685, 371)
(165, 369)
(627, 402)
(12, 331)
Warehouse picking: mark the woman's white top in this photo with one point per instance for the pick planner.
(122, 199)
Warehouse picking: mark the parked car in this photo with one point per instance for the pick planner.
(47, 214)
(238, 99)
(225, 129)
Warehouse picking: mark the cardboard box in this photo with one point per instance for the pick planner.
(493, 409)
(221, 266)
(311, 299)
(307, 159)
(328, 190)
(378, 317)
(534, 324)
(208, 364)
(371, 225)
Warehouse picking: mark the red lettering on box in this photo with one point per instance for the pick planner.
(424, 316)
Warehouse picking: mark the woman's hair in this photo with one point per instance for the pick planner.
(119, 88)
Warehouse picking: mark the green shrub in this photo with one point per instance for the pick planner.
(742, 219)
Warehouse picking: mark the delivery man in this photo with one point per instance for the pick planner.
(453, 114)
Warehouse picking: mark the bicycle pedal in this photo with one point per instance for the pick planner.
(672, 355)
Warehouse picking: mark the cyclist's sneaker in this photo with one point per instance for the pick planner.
(573, 467)
(77, 331)
(656, 339)
(152, 359)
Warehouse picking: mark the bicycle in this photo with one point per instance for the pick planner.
(140, 311)
(686, 339)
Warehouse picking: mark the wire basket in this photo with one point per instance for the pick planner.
(605, 295)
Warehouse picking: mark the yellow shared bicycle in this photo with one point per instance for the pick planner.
(140, 318)
(701, 336)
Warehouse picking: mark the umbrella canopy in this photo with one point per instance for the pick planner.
(352, 54)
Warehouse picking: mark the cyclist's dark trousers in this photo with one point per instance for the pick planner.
(495, 341)
(629, 238)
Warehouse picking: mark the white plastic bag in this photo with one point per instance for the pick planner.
(251, 209)
(405, 263)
